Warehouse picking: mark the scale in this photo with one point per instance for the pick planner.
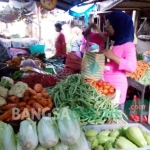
(48, 4)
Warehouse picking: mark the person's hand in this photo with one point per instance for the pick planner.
(109, 53)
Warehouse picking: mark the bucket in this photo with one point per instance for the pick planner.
(37, 49)
(146, 57)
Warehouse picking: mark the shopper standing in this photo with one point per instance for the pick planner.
(122, 56)
(60, 43)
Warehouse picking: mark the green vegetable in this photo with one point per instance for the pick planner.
(124, 143)
(140, 56)
(103, 139)
(5, 84)
(7, 137)
(91, 133)
(108, 145)
(104, 133)
(82, 144)
(90, 138)
(145, 80)
(17, 75)
(69, 128)
(123, 130)
(61, 146)
(94, 144)
(147, 137)
(92, 107)
(115, 133)
(99, 148)
(28, 135)
(47, 132)
(135, 135)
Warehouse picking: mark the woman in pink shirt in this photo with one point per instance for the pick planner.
(122, 56)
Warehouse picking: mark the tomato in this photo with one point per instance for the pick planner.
(99, 84)
(107, 87)
(100, 81)
(104, 84)
(113, 87)
(105, 91)
(101, 88)
(111, 90)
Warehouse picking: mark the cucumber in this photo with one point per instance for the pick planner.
(147, 137)
(94, 144)
(115, 133)
(135, 135)
(90, 138)
(91, 133)
(108, 145)
(104, 133)
(99, 148)
(103, 139)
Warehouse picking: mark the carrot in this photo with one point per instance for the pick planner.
(25, 98)
(13, 99)
(29, 108)
(26, 93)
(30, 102)
(32, 92)
(8, 106)
(38, 88)
(37, 107)
(39, 95)
(6, 115)
(21, 104)
(43, 91)
(50, 104)
(34, 97)
(45, 95)
(43, 102)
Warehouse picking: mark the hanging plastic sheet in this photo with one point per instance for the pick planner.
(82, 10)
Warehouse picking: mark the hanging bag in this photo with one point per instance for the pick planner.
(92, 64)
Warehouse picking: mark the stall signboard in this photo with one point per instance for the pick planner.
(48, 4)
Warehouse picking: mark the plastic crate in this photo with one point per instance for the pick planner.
(101, 128)
(37, 49)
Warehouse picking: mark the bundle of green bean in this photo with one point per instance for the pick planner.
(145, 80)
(81, 97)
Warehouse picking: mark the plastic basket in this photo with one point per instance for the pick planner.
(101, 128)
(37, 49)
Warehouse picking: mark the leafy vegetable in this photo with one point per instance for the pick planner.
(7, 137)
(61, 146)
(82, 144)
(47, 132)
(28, 135)
(69, 128)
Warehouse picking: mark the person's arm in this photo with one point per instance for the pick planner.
(128, 63)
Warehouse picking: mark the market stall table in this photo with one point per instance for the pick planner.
(142, 89)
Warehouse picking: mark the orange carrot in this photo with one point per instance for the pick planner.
(21, 104)
(50, 104)
(30, 102)
(25, 98)
(38, 88)
(29, 108)
(43, 91)
(27, 93)
(37, 107)
(39, 95)
(6, 115)
(8, 106)
(32, 92)
(42, 101)
(13, 99)
(45, 95)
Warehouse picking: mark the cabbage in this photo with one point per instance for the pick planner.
(28, 135)
(40, 148)
(82, 144)
(18, 143)
(47, 132)
(7, 137)
(69, 128)
(61, 146)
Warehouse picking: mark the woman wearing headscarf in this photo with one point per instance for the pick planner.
(122, 55)
(76, 41)
(60, 43)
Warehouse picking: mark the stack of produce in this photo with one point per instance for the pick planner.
(123, 138)
(80, 96)
(102, 87)
(145, 80)
(142, 67)
(61, 134)
(19, 97)
(46, 80)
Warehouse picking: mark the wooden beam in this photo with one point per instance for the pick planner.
(133, 5)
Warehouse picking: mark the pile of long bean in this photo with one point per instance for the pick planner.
(81, 97)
